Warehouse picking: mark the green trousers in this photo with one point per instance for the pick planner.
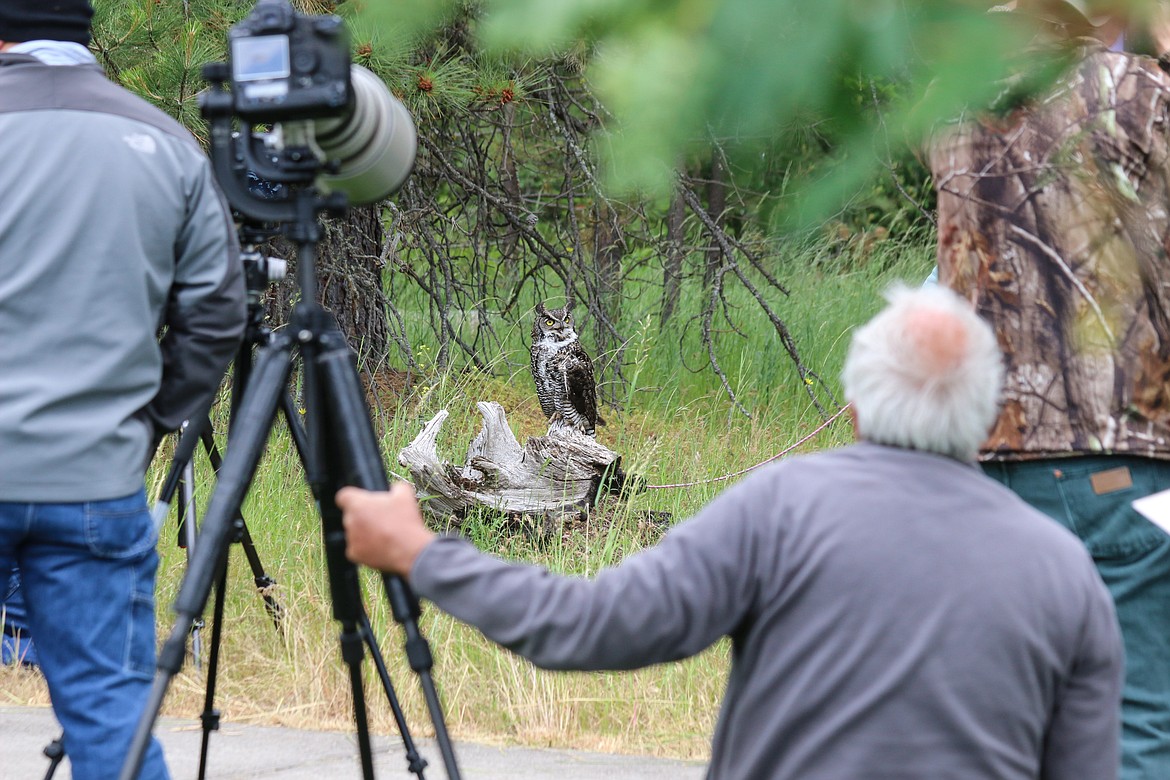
(1091, 495)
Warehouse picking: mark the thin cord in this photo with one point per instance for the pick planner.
(820, 428)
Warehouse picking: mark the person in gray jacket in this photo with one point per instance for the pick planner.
(111, 229)
(894, 614)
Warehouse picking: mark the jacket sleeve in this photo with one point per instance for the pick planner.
(205, 313)
(666, 602)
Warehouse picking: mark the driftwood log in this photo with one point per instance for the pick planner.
(562, 471)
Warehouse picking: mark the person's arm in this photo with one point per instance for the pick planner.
(205, 314)
(1084, 734)
(667, 602)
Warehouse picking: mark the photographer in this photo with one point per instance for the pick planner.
(111, 227)
(893, 612)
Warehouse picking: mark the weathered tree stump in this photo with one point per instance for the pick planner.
(559, 472)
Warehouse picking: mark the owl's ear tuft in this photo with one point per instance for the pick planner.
(569, 302)
(541, 311)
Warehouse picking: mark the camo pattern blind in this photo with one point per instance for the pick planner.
(1053, 221)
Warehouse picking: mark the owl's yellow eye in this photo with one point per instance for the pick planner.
(549, 322)
(568, 318)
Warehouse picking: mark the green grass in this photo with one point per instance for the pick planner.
(674, 427)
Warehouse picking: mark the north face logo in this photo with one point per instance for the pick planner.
(140, 142)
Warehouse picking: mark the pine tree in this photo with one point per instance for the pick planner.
(506, 203)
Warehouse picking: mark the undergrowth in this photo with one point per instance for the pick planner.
(672, 426)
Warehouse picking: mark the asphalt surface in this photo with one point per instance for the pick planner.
(242, 751)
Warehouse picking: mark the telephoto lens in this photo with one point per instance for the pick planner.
(373, 143)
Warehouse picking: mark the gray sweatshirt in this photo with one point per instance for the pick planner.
(894, 615)
(111, 227)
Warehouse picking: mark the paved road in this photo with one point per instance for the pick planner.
(240, 752)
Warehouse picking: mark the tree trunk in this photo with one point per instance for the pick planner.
(675, 251)
(349, 274)
(716, 208)
(607, 259)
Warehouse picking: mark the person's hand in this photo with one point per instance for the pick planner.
(383, 530)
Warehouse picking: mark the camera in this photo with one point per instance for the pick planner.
(308, 115)
(285, 65)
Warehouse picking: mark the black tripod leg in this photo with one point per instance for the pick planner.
(180, 478)
(249, 438)
(55, 752)
(264, 583)
(351, 653)
(186, 513)
(347, 607)
(404, 604)
(354, 445)
(415, 763)
(210, 717)
(184, 451)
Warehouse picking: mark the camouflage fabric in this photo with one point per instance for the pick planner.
(1053, 221)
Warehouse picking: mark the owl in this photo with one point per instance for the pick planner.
(562, 370)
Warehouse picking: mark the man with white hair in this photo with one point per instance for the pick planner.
(893, 612)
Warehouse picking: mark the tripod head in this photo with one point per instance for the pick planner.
(316, 132)
(330, 125)
(268, 183)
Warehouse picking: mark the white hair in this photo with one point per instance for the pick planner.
(934, 389)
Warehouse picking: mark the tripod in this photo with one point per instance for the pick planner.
(338, 448)
(258, 271)
(181, 478)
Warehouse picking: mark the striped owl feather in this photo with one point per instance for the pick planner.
(562, 370)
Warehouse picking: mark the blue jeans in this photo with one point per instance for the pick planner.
(1091, 496)
(16, 645)
(88, 572)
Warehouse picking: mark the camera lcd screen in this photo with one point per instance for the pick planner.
(260, 58)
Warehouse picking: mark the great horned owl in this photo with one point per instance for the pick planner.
(562, 370)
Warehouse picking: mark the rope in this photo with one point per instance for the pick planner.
(820, 428)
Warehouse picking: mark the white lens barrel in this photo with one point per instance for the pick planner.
(374, 144)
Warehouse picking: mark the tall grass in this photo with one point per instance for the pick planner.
(674, 426)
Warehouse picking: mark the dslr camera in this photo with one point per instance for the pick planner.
(290, 108)
(285, 65)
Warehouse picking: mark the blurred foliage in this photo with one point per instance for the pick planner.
(812, 103)
(817, 105)
(677, 75)
(655, 155)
